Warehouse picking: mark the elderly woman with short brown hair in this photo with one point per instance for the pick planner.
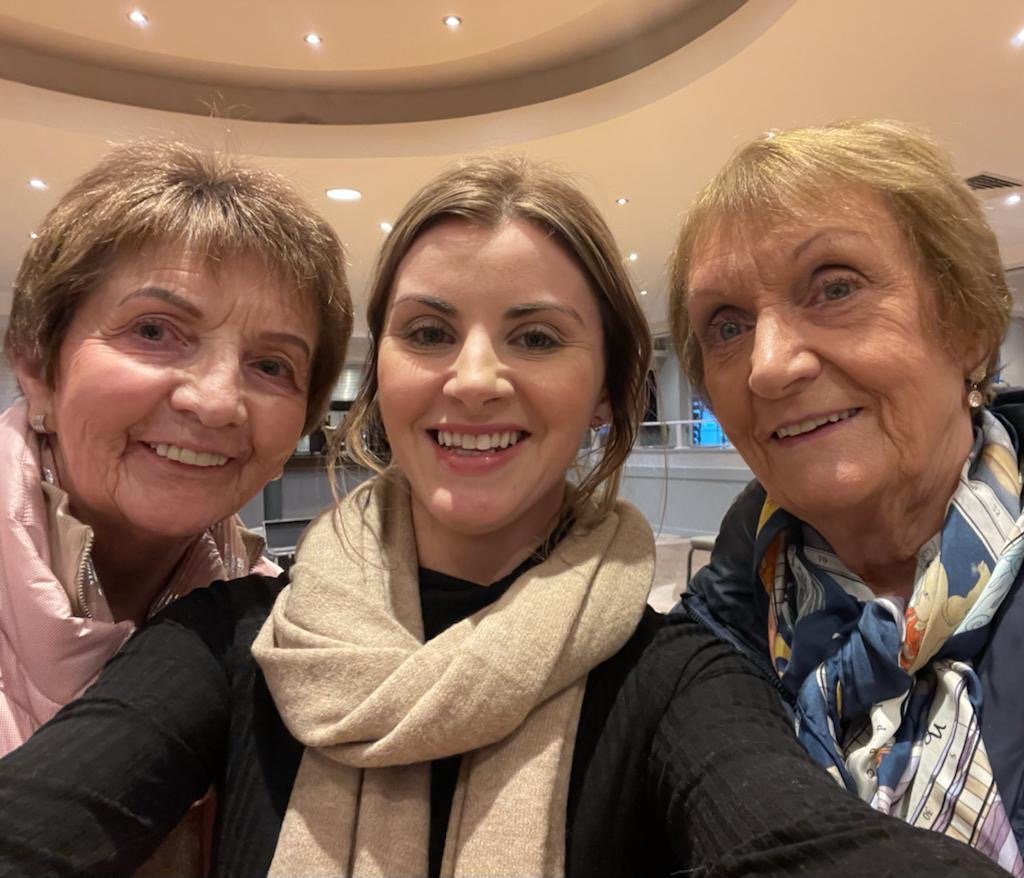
(839, 299)
(178, 323)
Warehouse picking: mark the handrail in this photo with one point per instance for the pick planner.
(682, 434)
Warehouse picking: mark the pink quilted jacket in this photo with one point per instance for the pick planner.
(48, 655)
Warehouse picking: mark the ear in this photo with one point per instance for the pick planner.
(31, 376)
(602, 411)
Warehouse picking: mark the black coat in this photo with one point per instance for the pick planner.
(727, 597)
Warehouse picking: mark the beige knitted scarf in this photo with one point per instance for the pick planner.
(344, 658)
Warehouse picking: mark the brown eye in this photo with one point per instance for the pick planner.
(150, 331)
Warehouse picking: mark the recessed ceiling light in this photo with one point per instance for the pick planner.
(643, 292)
(137, 16)
(33, 235)
(386, 228)
(342, 194)
(1018, 39)
(313, 39)
(633, 257)
(1011, 200)
(621, 201)
(36, 183)
(452, 21)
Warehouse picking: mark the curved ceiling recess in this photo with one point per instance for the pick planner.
(241, 64)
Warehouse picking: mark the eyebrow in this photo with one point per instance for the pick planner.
(824, 233)
(164, 295)
(523, 310)
(287, 338)
(172, 298)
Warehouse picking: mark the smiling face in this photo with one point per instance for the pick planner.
(490, 371)
(824, 361)
(179, 393)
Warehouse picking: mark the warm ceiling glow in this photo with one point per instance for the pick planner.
(342, 194)
(386, 228)
(36, 183)
(452, 21)
(1011, 200)
(137, 16)
(1018, 39)
(633, 257)
(621, 201)
(313, 39)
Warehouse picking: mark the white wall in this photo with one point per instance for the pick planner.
(9, 390)
(1012, 354)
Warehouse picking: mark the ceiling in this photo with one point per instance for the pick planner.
(638, 98)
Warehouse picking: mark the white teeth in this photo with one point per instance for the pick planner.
(481, 442)
(188, 456)
(813, 424)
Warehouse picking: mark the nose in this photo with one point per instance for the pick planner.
(478, 374)
(212, 390)
(781, 361)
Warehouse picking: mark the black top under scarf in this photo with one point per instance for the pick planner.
(446, 600)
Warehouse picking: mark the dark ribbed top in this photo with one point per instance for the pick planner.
(685, 764)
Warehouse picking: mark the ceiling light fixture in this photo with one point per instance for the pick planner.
(633, 257)
(33, 235)
(36, 183)
(1018, 39)
(643, 292)
(343, 194)
(621, 200)
(1011, 200)
(451, 21)
(386, 228)
(313, 39)
(137, 16)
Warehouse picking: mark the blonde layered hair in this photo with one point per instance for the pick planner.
(161, 193)
(784, 173)
(487, 192)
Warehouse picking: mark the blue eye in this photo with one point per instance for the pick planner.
(837, 289)
(728, 330)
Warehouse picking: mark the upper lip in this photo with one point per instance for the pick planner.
(792, 422)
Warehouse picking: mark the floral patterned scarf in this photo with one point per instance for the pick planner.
(886, 696)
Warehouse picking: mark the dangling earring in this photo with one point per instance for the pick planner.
(38, 423)
(975, 398)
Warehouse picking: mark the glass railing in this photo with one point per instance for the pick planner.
(682, 434)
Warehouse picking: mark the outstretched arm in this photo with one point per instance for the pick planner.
(96, 789)
(741, 797)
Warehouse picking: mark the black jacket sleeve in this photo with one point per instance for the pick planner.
(96, 789)
(726, 593)
(738, 794)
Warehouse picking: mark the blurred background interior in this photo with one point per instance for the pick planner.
(641, 99)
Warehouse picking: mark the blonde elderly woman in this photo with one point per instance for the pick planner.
(839, 299)
(462, 678)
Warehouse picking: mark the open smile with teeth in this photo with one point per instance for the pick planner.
(477, 441)
(187, 455)
(802, 427)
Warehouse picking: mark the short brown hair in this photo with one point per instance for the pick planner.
(175, 193)
(783, 171)
(487, 191)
